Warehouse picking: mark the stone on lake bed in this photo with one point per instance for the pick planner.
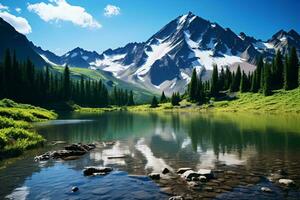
(182, 170)
(189, 174)
(202, 178)
(176, 198)
(165, 170)
(88, 171)
(75, 189)
(287, 182)
(265, 189)
(116, 157)
(206, 172)
(154, 176)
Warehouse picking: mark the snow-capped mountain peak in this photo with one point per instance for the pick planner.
(165, 61)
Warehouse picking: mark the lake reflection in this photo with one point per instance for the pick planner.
(152, 141)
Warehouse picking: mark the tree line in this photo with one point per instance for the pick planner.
(23, 82)
(281, 73)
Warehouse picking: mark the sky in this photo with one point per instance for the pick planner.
(62, 25)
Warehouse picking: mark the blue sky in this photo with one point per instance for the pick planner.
(59, 26)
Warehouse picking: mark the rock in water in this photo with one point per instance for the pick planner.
(206, 172)
(165, 170)
(182, 170)
(176, 198)
(265, 189)
(287, 182)
(75, 189)
(202, 178)
(154, 176)
(189, 174)
(88, 171)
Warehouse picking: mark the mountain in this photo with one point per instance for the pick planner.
(166, 60)
(13, 40)
(77, 57)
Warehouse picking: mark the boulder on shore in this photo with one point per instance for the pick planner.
(88, 171)
(182, 170)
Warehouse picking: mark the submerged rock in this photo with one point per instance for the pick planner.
(80, 147)
(154, 176)
(176, 198)
(286, 182)
(206, 172)
(202, 178)
(117, 157)
(182, 170)
(265, 189)
(75, 189)
(88, 171)
(189, 174)
(165, 170)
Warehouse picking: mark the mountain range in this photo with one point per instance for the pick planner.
(165, 61)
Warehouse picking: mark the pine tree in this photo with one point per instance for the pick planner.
(228, 79)
(221, 80)
(214, 90)
(154, 102)
(175, 99)
(267, 80)
(163, 98)
(243, 84)
(259, 68)
(278, 71)
(130, 99)
(66, 84)
(200, 92)
(236, 81)
(193, 86)
(293, 64)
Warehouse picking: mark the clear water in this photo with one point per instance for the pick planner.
(152, 141)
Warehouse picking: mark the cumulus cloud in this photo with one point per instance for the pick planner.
(18, 10)
(111, 10)
(2, 7)
(61, 10)
(19, 23)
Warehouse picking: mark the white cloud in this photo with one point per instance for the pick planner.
(61, 10)
(111, 10)
(19, 23)
(2, 7)
(18, 10)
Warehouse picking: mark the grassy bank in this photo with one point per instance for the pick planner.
(16, 133)
(280, 102)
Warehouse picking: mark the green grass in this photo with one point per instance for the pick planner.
(16, 134)
(280, 102)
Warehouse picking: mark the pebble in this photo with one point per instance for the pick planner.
(265, 189)
(176, 198)
(75, 189)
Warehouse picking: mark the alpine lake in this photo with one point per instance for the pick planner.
(247, 154)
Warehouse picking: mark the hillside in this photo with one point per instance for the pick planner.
(140, 95)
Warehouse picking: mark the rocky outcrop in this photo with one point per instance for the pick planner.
(70, 151)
